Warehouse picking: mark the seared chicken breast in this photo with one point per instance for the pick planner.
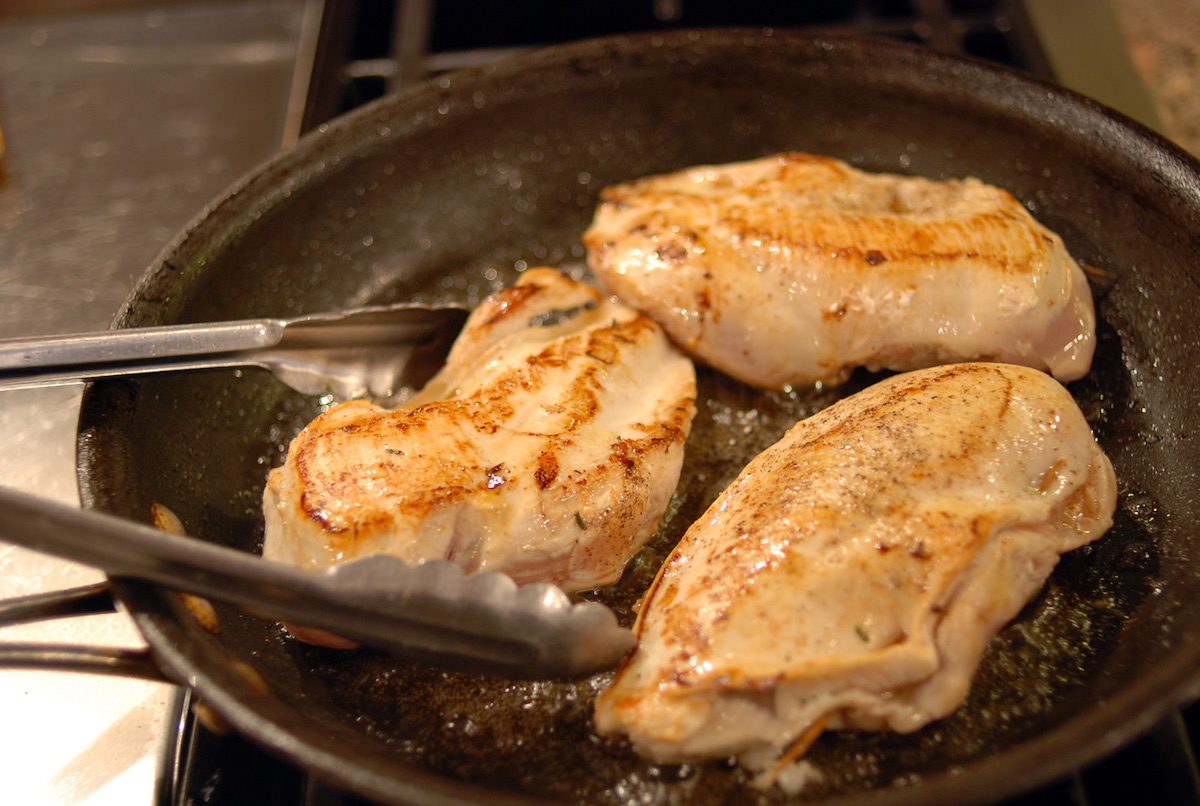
(544, 449)
(794, 269)
(851, 576)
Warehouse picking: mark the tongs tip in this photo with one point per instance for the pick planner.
(486, 619)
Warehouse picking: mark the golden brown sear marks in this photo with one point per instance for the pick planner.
(546, 449)
(851, 575)
(795, 268)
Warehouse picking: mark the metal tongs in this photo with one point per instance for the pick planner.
(431, 612)
(374, 350)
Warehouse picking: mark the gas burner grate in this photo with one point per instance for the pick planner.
(367, 48)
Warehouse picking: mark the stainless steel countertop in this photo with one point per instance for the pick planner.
(118, 127)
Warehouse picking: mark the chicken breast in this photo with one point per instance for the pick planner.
(544, 449)
(794, 269)
(851, 576)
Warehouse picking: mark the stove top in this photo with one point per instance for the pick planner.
(369, 47)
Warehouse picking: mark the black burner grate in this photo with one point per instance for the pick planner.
(370, 47)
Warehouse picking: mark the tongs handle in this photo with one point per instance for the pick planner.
(431, 612)
(132, 344)
(102, 354)
(371, 349)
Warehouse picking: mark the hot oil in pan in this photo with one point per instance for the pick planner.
(537, 738)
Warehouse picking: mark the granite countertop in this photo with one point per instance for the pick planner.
(1164, 43)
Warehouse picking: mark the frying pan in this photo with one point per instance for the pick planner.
(448, 190)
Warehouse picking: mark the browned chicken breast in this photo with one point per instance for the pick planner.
(852, 574)
(545, 450)
(795, 268)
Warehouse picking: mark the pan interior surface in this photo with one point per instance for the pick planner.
(449, 191)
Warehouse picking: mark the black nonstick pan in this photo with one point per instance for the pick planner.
(448, 190)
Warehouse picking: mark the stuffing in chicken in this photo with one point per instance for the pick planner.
(850, 577)
(795, 268)
(544, 449)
